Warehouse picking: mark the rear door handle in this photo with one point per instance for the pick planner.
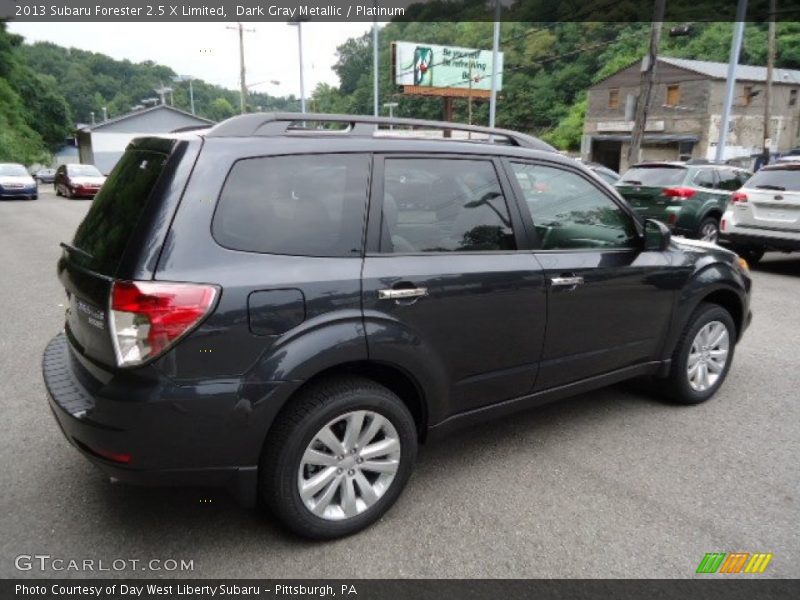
(402, 293)
(566, 281)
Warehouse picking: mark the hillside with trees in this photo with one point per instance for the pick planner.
(548, 67)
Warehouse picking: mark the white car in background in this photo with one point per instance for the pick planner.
(764, 214)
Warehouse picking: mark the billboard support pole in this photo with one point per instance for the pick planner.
(495, 50)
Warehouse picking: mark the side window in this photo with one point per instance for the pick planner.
(569, 212)
(307, 205)
(443, 205)
(704, 178)
(728, 180)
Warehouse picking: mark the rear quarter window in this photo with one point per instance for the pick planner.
(306, 205)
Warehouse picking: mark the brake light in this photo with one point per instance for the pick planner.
(681, 193)
(148, 318)
(738, 197)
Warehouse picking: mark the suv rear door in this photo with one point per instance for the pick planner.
(447, 280)
(773, 200)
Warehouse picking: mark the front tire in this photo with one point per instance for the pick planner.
(337, 458)
(702, 356)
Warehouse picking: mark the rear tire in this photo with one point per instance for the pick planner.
(353, 495)
(698, 369)
(709, 230)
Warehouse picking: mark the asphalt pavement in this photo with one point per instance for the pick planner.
(607, 484)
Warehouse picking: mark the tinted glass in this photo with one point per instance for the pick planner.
(728, 180)
(443, 205)
(568, 211)
(311, 205)
(704, 178)
(776, 179)
(116, 209)
(654, 176)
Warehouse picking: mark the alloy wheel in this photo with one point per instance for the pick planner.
(708, 356)
(709, 232)
(349, 465)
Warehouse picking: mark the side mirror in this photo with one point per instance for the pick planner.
(656, 236)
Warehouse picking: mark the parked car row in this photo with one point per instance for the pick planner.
(72, 181)
(720, 203)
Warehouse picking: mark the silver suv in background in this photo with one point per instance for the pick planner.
(765, 213)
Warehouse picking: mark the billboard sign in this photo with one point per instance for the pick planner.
(444, 67)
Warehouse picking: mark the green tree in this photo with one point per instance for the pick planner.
(220, 109)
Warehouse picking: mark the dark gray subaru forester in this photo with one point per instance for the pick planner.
(288, 305)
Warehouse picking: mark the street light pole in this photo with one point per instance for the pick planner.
(736, 48)
(299, 26)
(495, 50)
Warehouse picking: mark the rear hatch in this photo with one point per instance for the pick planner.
(770, 199)
(650, 189)
(97, 253)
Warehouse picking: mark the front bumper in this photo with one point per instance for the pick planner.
(174, 435)
(28, 192)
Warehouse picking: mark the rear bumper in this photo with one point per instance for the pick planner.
(766, 242)
(173, 435)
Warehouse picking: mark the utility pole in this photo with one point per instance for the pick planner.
(646, 85)
(768, 88)
(733, 61)
(242, 79)
(495, 50)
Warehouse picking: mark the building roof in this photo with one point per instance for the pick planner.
(137, 113)
(718, 70)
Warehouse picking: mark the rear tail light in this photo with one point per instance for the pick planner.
(738, 197)
(147, 318)
(681, 193)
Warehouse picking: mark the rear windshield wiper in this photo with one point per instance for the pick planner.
(633, 181)
(75, 249)
(778, 188)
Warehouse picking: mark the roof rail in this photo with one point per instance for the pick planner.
(283, 123)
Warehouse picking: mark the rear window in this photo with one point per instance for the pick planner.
(654, 176)
(307, 205)
(104, 233)
(776, 179)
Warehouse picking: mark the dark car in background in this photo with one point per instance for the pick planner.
(289, 311)
(689, 198)
(78, 181)
(45, 175)
(16, 182)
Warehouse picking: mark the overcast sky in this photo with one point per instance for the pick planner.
(209, 51)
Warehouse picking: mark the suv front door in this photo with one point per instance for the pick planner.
(609, 302)
(447, 289)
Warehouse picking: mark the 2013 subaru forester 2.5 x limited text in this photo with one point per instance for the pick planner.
(288, 308)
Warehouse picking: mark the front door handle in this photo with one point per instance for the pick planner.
(402, 293)
(570, 282)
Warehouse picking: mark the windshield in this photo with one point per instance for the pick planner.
(13, 171)
(84, 171)
(785, 179)
(654, 176)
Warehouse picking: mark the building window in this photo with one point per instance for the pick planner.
(613, 99)
(673, 95)
(792, 97)
(747, 95)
